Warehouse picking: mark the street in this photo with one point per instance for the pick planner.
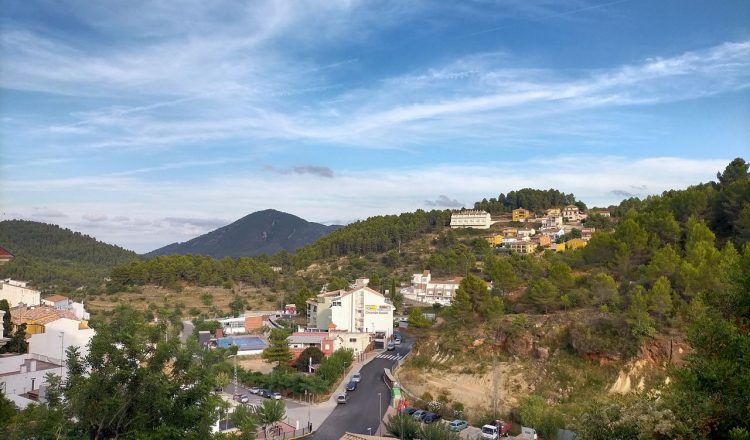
(364, 407)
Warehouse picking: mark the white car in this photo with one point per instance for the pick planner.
(254, 390)
(356, 377)
(276, 396)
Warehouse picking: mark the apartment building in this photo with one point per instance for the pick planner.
(520, 215)
(430, 290)
(470, 218)
(360, 309)
(19, 292)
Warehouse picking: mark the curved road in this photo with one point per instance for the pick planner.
(364, 407)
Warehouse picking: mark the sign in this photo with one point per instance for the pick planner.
(377, 310)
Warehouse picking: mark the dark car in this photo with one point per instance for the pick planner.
(417, 415)
(351, 386)
(430, 417)
(265, 393)
(409, 410)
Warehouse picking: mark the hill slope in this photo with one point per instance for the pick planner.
(262, 232)
(46, 253)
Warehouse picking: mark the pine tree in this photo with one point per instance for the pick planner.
(660, 297)
(278, 350)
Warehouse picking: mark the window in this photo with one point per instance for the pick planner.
(336, 303)
(352, 339)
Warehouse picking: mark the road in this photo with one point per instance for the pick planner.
(364, 407)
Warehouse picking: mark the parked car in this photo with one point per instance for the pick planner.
(528, 433)
(458, 425)
(243, 398)
(409, 410)
(276, 396)
(418, 414)
(265, 393)
(351, 386)
(430, 417)
(397, 341)
(391, 346)
(490, 432)
(254, 390)
(356, 377)
(341, 398)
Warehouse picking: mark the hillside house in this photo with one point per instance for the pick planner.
(5, 256)
(543, 240)
(37, 318)
(495, 240)
(471, 218)
(554, 221)
(571, 213)
(601, 212)
(64, 303)
(553, 212)
(19, 293)
(526, 233)
(328, 342)
(586, 233)
(428, 290)
(520, 215)
(510, 232)
(572, 244)
(553, 233)
(523, 247)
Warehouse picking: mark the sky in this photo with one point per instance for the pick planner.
(147, 123)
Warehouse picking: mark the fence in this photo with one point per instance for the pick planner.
(283, 435)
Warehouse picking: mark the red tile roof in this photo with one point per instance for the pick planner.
(39, 315)
(56, 298)
(4, 253)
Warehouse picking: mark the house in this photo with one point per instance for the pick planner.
(471, 218)
(430, 290)
(248, 322)
(553, 233)
(18, 293)
(554, 212)
(571, 213)
(601, 212)
(361, 309)
(56, 301)
(5, 256)
(523, 247)
(543, 240)
(37, 318)
(22, 376)
(510, 232)
(526, 233)
(290, 309)
(328, 342)
(520, 215)
(495, 239)
(553, 221)
(3, 339)
(586, 233)
(575, 243)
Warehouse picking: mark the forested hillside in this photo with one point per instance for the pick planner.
(50, 255)
(535, 200)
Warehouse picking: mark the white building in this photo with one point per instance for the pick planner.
(59, 335)
(470, 218)
(571, 213)
(361, 309)
(553, 233)
(427, 290)
(553, 221)
(18, 292)
(3, 339)
(60, 302)
(21, 374)
(526, 233)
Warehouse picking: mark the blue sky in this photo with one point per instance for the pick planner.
(148, 123)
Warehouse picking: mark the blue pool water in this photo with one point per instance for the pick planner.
(242, 342)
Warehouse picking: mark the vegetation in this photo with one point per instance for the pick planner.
(278, 349)
(403, 426)
(52, 256)
(532, 199)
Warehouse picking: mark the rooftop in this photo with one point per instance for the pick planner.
(39, 315)
(56, 298)
(4, 253)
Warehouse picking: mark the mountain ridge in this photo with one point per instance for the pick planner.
(262, 232)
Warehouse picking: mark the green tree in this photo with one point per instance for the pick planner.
(270, 412)
(660, 297)
(561, 275)
(543, 295)
(533, 411)
(437, 431)
(402, 426)
(637, 315)
(237, 306)
(500, 271)
(603, 290)
(244, 420)
(303, 361)
(278, 348)
(476, 289)
(337, 283)
(416, 318)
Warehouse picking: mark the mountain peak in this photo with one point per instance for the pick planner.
(262, 232)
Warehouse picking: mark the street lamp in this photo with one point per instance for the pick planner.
(369, 431)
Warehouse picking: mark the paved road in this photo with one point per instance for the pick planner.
(364, 407)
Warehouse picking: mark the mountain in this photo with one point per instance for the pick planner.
(48, 254)
(262, 232)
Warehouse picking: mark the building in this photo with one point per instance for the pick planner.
(361, 309)
(520, 215)
(60, 335)
(543, 240)
(571, 213)
(523, 247)
(37, 318)
(510, 232)
(328, 342)
(426, 289)
(587, 233)
(526, 233)
(22, 376)
(60, 302)
(601, 212)
(553, 233)
(554, 212)
(3, 339)
(5, 256)
(247, 323)
(575, 243)
(470, 218)
(495, 239)
(553, 221)
(18, 293)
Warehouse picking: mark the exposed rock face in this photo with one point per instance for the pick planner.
(541, 353)
(521, 345)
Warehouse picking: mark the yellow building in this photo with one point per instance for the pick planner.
(495, 240)
(554, 212)
(523, 247)
(510, 232)
(521, 214)
(575, 243)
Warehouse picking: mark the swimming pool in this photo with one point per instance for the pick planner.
(243, 343)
